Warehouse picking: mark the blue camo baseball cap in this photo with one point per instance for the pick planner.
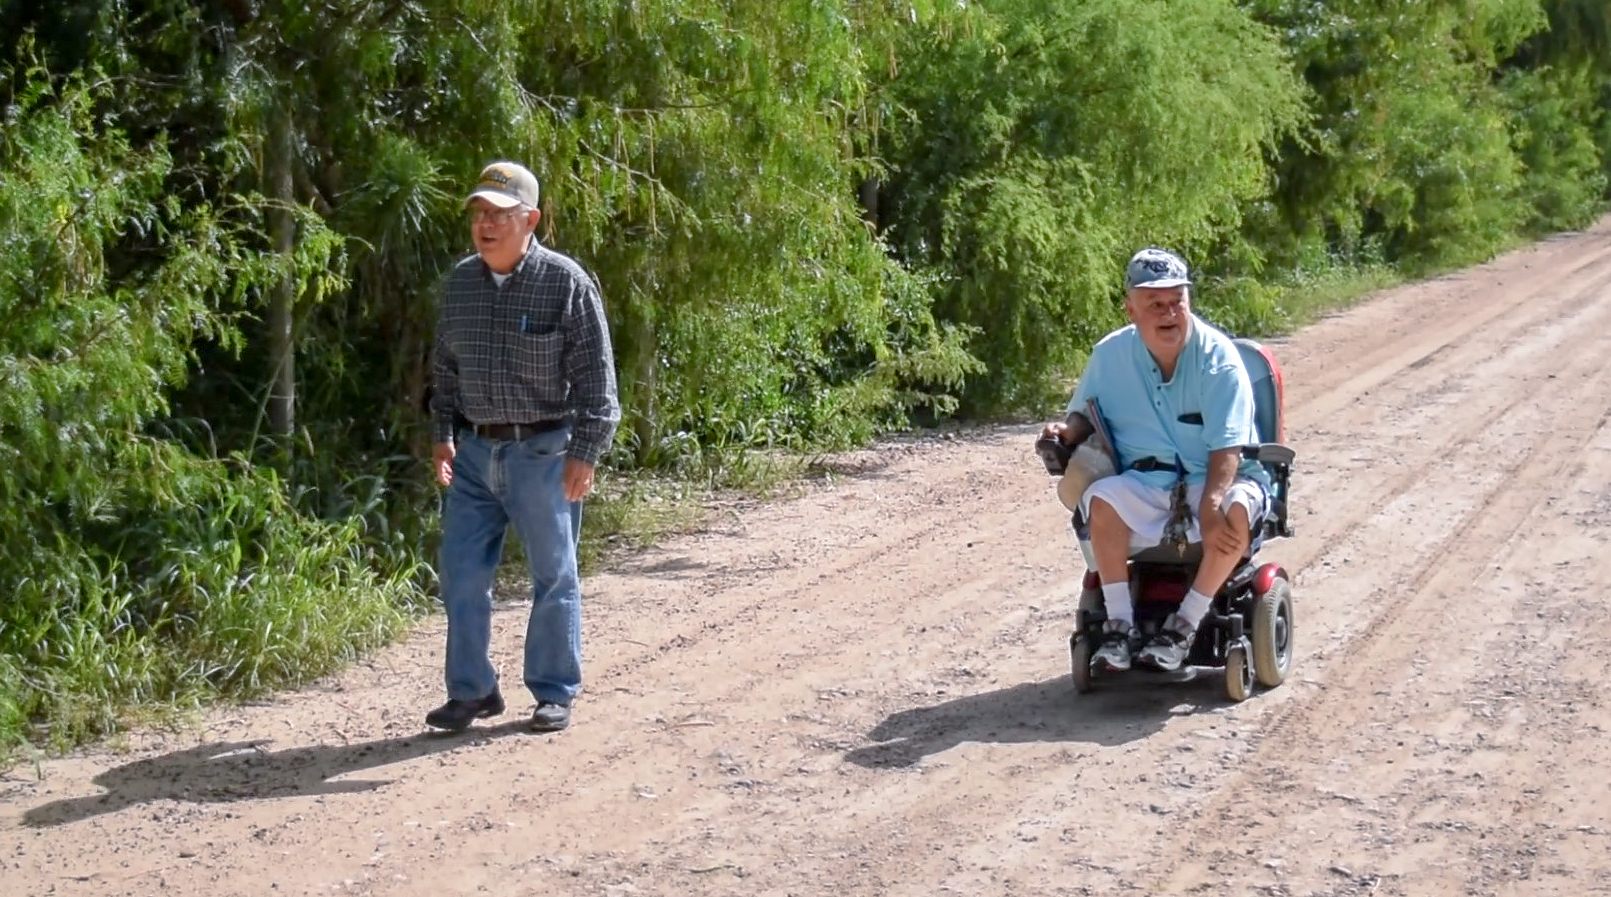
(1153, 267)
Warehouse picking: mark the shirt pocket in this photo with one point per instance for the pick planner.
(538, 360)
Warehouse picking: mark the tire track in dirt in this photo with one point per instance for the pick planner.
(1468, 415)
(1515, 488)
(1438, 330)
(1539, 345)
(1469, 454)
(1377, 445)
(1380, 654)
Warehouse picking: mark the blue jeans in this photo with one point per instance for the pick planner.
(496, 483)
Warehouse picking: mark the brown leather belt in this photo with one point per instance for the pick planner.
(515, 431)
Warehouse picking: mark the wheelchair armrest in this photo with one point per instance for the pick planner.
(1269, 453)
(1054, 454)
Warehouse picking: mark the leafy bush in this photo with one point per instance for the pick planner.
(1553, 119)
(1037, 144)
(1406, 153)
(134, 569)
(812, 220)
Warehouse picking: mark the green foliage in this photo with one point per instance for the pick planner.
(1040, 143)
(1574, 54)
(812, 221)
(693, 155)
(1407, 152)
(135, 570)
(1553, 120)
(701, 153)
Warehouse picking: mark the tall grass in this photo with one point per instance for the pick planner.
(140, 565)
(219, 588)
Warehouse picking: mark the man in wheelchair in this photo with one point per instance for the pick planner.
(1172, 406)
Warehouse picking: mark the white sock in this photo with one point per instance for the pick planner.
(1116, 597)
(1194, 607)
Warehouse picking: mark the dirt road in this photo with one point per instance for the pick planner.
(864, 691)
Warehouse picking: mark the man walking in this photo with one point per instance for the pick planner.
(525, 402)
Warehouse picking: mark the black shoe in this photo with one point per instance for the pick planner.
(550, 717)
(456, 715)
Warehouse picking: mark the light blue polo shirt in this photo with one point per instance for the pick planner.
(1148, 417)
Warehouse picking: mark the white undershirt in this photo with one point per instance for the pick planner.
(499, 278)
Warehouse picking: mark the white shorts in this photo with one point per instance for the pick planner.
(1145, 508)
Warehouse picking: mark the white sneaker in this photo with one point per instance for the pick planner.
(1114, 649)
(1167, 649)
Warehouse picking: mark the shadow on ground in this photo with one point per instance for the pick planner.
(225, 772)
(1122, 709)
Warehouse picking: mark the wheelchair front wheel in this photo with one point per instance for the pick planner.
(1079, 647)
(1238, 674)
(1079, 655)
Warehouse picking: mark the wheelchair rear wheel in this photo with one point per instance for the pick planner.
(1272, 634)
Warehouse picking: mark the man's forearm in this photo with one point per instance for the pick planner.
(445, 397)
(1079, 429)
(590, 364)
(1222, 467)
(444, 407)
(595, 404)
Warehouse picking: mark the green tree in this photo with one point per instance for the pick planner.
(1553, 118)
(1036, 144)
(1566, 67)
(1407, 155)
(699, 158)
(136, 569)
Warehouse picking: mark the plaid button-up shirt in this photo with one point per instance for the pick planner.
(536, 348)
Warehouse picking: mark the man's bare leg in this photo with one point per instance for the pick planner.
(1169, 647)
(1217, 566)
(1110, 542)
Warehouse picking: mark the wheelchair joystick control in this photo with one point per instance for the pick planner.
(1054, 454)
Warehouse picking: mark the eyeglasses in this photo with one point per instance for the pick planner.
(497, 216)
(1165, 306)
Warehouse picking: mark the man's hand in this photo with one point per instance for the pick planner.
(1073, 431)
(578, 479)
(442, 460)
(1218, 534)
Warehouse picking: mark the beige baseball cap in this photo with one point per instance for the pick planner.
(505, 185)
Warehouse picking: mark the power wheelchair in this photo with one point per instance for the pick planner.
(1248, 632)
